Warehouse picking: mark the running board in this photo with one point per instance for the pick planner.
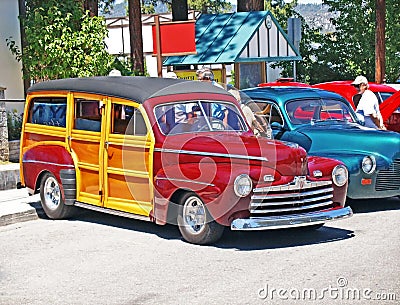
(110, 211)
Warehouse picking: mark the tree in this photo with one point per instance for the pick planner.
(204, 6)
(353, 43)
(61, 41)
(210, 6)
(250, 5)
(309, 68)
(350, 49)
(93, 6)
(135, 33)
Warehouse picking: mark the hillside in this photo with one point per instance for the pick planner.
(317, 16)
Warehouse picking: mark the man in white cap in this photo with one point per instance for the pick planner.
(368, 105)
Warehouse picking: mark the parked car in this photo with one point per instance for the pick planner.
(153, 149)
(390, 110)
(325, 124)
(284, 82)
(384, 94)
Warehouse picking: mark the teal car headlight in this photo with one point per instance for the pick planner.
(368, 164)
(340, 175)
(242, 185)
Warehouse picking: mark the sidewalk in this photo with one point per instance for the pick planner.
(16, 206)
(9, 176)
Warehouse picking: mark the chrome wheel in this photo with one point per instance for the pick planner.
(195, 221)
(52, 195)
(194, 216)
(52, 199)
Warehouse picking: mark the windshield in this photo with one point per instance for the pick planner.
(306, 111)
(199, 116)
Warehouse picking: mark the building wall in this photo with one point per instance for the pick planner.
(10, 68)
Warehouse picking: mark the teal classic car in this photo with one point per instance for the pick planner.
(325, 124)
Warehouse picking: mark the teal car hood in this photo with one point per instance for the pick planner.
(348, 143)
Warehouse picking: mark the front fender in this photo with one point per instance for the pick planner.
(212, 182)
(353, 160)
(326, 166)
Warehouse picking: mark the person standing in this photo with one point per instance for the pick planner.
(218, 110)
(368, 105)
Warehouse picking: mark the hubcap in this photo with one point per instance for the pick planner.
(194, 215)
(52, 193)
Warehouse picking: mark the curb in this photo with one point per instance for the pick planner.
(17, 206)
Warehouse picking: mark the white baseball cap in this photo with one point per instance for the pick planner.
(115, 72)
(360, 80)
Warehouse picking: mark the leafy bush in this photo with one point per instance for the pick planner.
(62, 41)
(14, 125)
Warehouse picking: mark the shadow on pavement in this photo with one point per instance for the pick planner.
(374, 205)
(285, 238)
(245, 241)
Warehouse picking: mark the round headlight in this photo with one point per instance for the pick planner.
(368, 164)
(340, 175)
(242, 185)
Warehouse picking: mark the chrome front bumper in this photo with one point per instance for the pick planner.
(289, 221)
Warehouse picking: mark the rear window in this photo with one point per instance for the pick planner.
(48, 111)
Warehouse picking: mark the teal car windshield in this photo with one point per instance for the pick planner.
(311, 111)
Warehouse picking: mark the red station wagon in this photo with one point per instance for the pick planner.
(169, 151)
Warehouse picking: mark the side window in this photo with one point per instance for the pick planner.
(87, 115)
(48, 111)
(268, 112)
(276, 115)
(127, 120)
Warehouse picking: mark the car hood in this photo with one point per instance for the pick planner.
(287, 158)
(335, 140)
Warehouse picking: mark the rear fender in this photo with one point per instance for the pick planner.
(56, 159)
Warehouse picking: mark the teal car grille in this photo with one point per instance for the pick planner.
(389, 179)
(297, 197)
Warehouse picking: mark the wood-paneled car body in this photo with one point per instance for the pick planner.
(169, 151)
(325, 124)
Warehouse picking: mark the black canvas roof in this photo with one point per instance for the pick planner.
(135, 88)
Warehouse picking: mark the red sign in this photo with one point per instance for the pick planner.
(176, 38)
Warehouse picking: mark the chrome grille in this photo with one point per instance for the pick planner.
(297, 197)
(389, 179)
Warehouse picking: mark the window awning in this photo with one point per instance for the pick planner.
(238, 37)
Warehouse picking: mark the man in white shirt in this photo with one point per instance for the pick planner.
(368, 105)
